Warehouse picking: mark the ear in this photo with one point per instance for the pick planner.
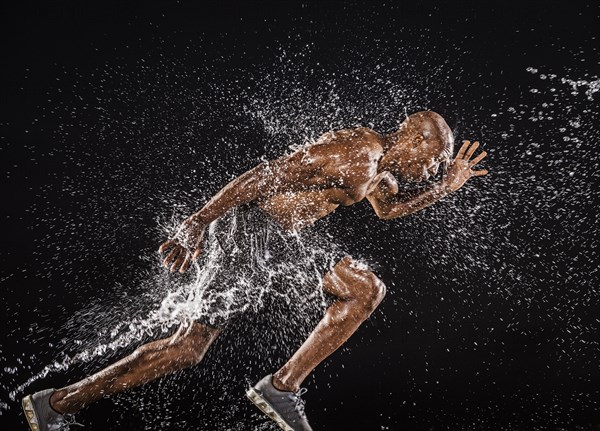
(418, 143)
(414, 139)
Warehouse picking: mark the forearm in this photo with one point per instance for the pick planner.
(389, 208)
(185, 246)
(244, 189)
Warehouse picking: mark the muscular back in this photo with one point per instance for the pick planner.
(336, 170)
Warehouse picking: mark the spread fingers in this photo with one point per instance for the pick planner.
(478, 158)
(471, 150)
(186, 263)
(179, 261)
(171, 256)
(462, 150)
(166, 245)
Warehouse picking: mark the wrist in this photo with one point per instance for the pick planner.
(443, 189)
(199, 219)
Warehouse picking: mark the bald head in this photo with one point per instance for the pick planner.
(431, 127)
(423, 142)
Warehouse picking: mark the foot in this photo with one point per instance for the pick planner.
(285, 408)
(41, 416)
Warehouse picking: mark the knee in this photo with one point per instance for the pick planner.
(371, 293)
(185, 352)
(189, 348)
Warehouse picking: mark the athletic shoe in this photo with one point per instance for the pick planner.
(285, 408)
(41, 416)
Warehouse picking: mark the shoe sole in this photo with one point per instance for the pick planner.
(30, 414)
(267, 409)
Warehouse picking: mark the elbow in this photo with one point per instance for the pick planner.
(383, 215)
(391, 214)
(381, 211)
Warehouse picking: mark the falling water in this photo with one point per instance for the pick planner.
(474, 233)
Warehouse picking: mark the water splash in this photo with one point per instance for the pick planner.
(590, 87)
(247, 258)
(502, 267)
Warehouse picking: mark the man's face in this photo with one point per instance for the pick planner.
(421, 160)
(422, 144)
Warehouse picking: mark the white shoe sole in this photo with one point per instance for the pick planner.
(267, 409)
(30, 414)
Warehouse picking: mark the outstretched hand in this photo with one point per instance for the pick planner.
(460, 170)
(185, 246)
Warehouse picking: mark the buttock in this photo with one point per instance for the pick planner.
(250, 259)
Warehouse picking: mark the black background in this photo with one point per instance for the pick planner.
(117, 116)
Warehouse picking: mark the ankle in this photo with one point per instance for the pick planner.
(282, 385)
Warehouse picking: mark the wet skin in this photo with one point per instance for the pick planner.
(340, 169)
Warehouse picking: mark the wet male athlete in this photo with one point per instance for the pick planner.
(292, 192)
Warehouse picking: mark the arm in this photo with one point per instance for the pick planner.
(288, 173)
(249, 186)
(388, 204)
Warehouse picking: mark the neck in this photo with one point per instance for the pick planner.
(390, 140)
(392, 149)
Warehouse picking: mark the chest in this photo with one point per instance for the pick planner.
(298, 209)
(349, 181)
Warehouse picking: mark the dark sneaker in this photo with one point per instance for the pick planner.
(41, 416)
(285, 408)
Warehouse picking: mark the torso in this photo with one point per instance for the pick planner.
(342, 165)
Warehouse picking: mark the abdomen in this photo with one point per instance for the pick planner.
(296, 210)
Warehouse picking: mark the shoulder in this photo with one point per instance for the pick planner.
(357, 140)
(347, 150)
(360, 135)
(350, 156)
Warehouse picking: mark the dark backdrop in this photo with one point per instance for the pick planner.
(119, 119)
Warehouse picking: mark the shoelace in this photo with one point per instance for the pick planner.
(298, 401)
(70, 420)
(64, 423)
